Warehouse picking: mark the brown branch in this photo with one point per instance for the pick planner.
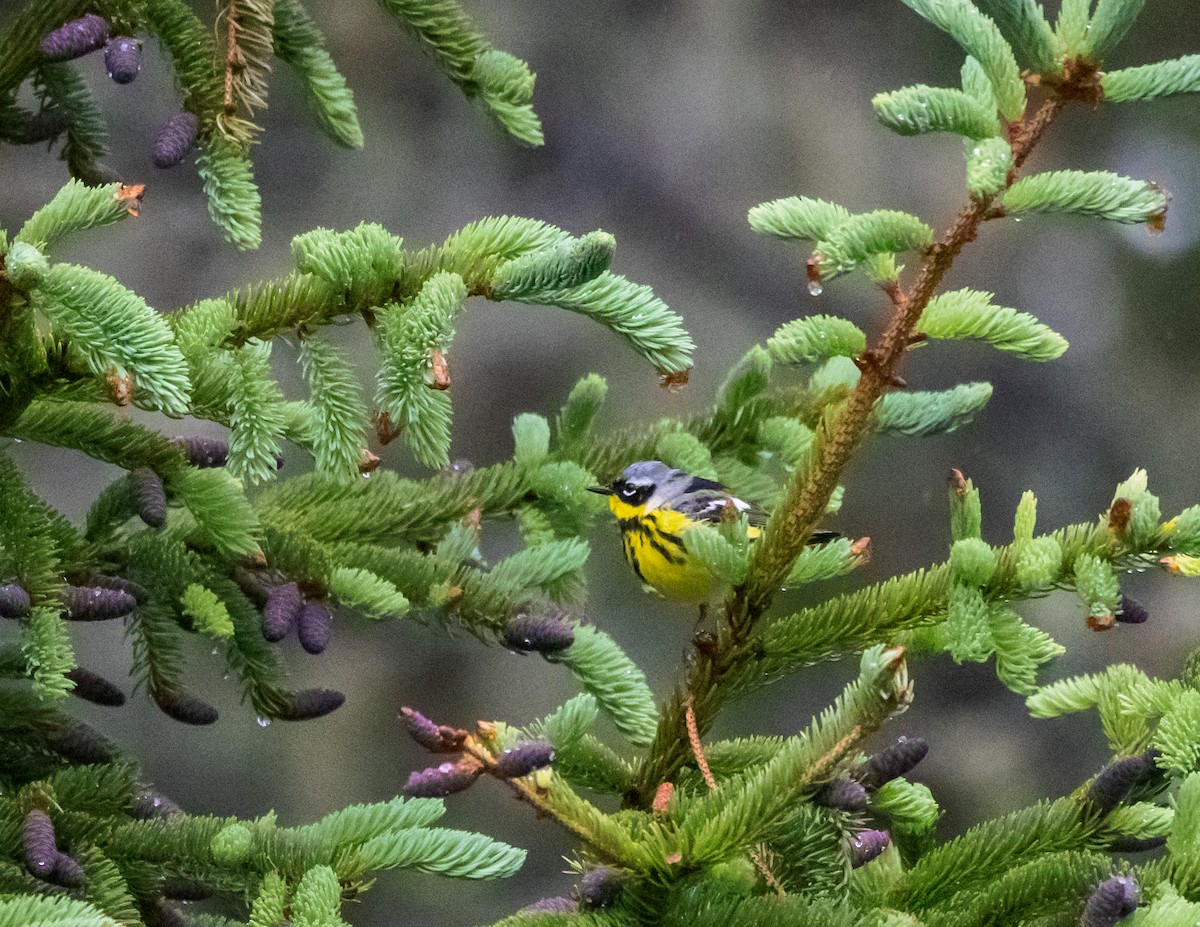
(841, 430)
(232, 54)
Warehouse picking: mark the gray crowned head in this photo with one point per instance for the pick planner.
(649, 482)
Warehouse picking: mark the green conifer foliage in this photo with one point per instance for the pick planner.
(674, 827)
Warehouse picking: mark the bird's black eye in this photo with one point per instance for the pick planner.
(633, 494)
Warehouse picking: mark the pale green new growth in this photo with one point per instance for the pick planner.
(1071, 27)
(972, 314)
(409, 337)
(867, 235)
(339, 424)
(1149, 81)
(916, 412)
(1023, 23)
(233, 199)
(76, 207)
(797, 217)
(816, 338)
(373, 595)
(988, 163)
(980, 38)
(1087, 193)
(1108, 26)
(300, 44)
(921, 109)
(204, 607)
(112, 331)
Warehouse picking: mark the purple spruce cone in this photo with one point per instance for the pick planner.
(200, 451)
(67, 872)
(1114, 782)
(37, 838)
(123, 58)
(14, 601)
(543, 633)
(308, 704)
(894, 762)
(174, 140)
(845, 795)
(149, 496)
(440, 781)
(600, 887)
(868, 844)
(314, 627)
(436, 738)
(94, 688)
(76, 38)
(523, 759)
(183, 707)
(560, 904)
(1111, 900)
(282, 611)
(95, 603)
(1131, 611)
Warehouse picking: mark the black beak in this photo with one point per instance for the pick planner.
(602, 490)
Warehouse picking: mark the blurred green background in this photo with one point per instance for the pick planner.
(665, 121)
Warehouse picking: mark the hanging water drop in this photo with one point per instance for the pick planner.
(263, 722)
(815, 288)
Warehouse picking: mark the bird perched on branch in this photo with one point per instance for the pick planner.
(654, 505)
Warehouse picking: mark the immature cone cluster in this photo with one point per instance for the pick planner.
(1111, 900)
(285, 609)
(122, 53)
(42, 857)
(450, 777)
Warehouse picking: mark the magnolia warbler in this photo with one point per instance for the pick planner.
(654, 505)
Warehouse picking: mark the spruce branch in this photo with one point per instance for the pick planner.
(842, 427)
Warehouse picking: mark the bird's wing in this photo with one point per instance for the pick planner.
(707, 500)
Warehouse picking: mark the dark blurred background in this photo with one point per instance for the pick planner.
(665, 122)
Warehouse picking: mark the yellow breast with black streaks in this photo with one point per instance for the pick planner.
(653, 542)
